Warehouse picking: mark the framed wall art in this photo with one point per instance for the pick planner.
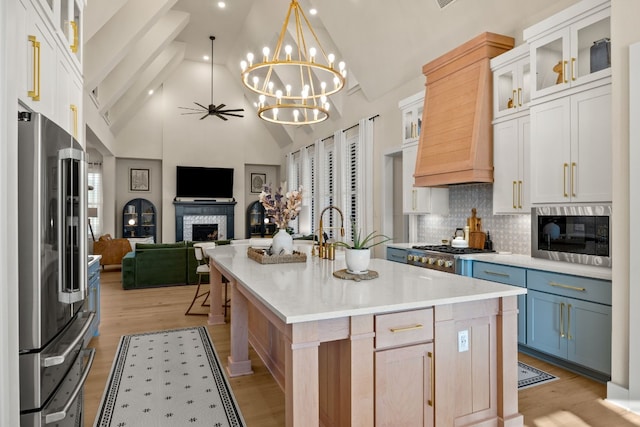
(257, 182)
(139, 180)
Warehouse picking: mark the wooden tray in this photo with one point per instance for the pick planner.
(344, 274)
(260, 255)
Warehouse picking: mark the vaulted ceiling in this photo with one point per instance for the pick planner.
(132, 46)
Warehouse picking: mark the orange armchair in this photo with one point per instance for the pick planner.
(112, 250)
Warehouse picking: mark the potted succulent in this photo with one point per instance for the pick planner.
(358, 253)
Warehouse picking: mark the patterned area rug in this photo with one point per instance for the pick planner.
(168, 378)
(528, 376)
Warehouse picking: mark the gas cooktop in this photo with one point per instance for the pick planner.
(451, 250)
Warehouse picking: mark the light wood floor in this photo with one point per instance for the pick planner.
(571, 401)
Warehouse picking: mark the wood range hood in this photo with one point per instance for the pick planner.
(456, 144)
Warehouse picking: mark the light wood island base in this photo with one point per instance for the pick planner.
(329, 369)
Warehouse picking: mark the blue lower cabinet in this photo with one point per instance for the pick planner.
(575, 330)
(93, 297)
(508, 275)
(397, 254)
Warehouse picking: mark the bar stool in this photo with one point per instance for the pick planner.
(202, 270)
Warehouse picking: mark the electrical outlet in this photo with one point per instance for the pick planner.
(463, 341)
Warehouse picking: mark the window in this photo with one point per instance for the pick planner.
(94, 198)
(337, 171)
(294, 181)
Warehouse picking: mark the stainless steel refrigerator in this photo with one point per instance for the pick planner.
(53, 320)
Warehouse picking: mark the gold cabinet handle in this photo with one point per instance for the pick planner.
(431, 402)
(74, 110)
(520, 97)
(495, 273)
(564, 68)
(74, 45)
(35, 93)
(569, 322)
(407, 328)
(573, 69)
(573, 179)
(561, 285)
(562, 320)
(519, 194)
(513, 195)
(515, 103)
(564, 178)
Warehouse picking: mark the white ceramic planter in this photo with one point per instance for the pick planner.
(357, 260)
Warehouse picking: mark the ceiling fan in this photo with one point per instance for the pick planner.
(212, 109)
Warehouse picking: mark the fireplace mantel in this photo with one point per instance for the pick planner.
(204, 208)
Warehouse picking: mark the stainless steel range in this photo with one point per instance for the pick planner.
(439, 257)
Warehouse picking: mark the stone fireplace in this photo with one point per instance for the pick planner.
(203, 220)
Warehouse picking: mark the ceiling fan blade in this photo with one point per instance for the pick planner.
(231, 114)
(223, 118)
(200, 105)
(195, 112)
(205, 116)
(191, 109)
(219, 107)
(232, 111)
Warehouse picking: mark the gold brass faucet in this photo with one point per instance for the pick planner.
(322, 250)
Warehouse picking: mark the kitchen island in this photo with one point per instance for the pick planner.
(411, 347)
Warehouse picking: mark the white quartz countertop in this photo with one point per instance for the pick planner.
(93, 259)
(526, 261)
(301, 292)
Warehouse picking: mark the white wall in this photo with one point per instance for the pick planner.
(161, 131)
(624, 387)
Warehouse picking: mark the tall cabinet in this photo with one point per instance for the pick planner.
(571, 105)
(511, 131)
(417, 200)
(139, 219)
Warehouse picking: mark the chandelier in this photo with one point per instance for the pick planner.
(293, 90)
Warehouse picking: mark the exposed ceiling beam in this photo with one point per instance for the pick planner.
(143, 53)
(152, 77)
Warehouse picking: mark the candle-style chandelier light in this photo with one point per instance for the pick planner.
(293, 90)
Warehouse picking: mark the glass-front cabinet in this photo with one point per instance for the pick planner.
(571, 48)
(412, 108)
(139, 219)
(511, 81)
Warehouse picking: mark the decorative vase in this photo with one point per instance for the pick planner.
(357, 260)
(282, 243)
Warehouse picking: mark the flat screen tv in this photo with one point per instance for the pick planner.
(205, 183)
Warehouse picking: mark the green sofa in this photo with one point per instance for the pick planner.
(160, 264)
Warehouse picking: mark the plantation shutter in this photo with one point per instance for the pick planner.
(294, 181)
(353, 171)
(309, 191)
(328, 184)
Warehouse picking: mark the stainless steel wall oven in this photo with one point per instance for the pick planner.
(576, 233)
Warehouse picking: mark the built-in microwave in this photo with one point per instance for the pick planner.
(575, 233)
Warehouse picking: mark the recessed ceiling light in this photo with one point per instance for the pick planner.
(222, 4)
(205, 57)
(150, 91)
(313, 11)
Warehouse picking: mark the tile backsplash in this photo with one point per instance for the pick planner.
(510, 233)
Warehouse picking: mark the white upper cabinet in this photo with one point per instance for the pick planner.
(511, 147)
(420, 200)
(49, 60)
(570, 48)
(412, 108)
(511, 81)
(571, 148)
